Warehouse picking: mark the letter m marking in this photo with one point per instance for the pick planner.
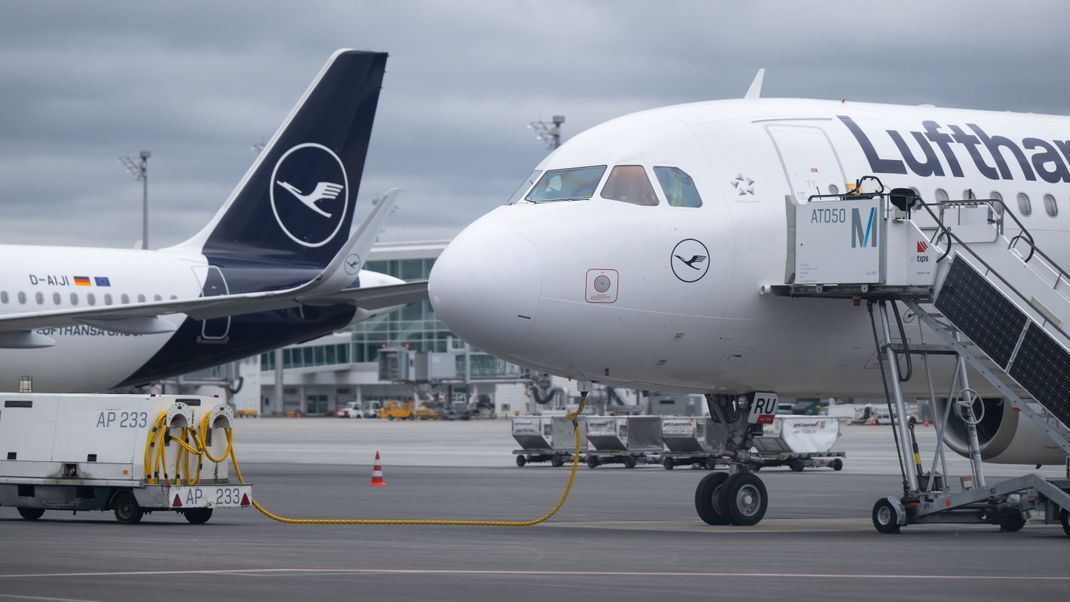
(863, 236)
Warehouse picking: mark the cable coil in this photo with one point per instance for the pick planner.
(158, 437)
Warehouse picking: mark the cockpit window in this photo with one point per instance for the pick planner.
(629, 184)
(679, 188)
(519, 194)
(567, 184)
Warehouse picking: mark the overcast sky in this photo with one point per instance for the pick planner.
(82, 83)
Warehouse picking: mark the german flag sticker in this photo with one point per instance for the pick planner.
(82, 281)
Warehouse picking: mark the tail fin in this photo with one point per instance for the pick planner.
(293, 211)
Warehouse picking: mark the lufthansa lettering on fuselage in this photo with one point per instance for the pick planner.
(81, 330)
(827, 215)
(1031, 157)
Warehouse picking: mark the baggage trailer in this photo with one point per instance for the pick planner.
(801, 442)
(623, 440)
(131, 454)
(546, 439)
(690, 441)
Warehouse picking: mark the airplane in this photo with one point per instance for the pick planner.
(634, 254)
(273, 267)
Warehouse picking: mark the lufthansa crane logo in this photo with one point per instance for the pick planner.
(690, 260)
(310, 194)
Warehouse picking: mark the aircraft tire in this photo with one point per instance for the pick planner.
(707, 502)
(521, 460)
(744, 499)
(557, 461)
(667, 463)
(629, 462)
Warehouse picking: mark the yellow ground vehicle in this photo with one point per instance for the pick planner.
(397, 410)
(407, 410)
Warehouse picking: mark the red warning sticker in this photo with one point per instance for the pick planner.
(602, 285)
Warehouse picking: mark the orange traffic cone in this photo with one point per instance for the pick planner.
(377, 473)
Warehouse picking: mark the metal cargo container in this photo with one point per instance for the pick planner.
(690, 434)
(533, 432)
(625, 433)
(563, 434)
(807, 434)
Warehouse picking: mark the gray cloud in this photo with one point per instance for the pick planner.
(83, 83)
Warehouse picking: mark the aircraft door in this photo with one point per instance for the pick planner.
(809, 160)
(214, 330)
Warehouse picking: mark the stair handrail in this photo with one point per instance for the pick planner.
(945, 231)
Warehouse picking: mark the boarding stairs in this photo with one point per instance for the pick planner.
(974, 276)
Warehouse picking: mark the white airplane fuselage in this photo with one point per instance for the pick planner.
(89, 357)
(519, 282)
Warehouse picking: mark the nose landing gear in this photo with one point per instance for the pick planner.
(739, 497)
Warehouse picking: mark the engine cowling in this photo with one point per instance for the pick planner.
(1005, 437)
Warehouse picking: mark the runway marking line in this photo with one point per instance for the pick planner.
(528, 573)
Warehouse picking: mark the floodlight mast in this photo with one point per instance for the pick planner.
(548, 133)
(140, 170)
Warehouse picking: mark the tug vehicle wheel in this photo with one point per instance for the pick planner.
(31, 513)
(197, 516)
(127, 511)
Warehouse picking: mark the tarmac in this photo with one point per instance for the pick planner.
(623, 534)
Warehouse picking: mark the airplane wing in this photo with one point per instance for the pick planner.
(329, 287)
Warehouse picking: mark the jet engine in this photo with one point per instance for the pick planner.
(1005, 437)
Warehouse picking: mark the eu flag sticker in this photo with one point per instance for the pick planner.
(101, 281)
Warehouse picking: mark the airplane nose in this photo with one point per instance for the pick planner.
(485, 286)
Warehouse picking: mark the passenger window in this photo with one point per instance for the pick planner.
(941, 195)
(22, 298)
(526, 186)
(91, 299)
(678, 187)
(1024, 206)
(141, 298)
(157, 298)
(996, 196)
(57, 298)
(107, 298)
(4, 298)
(124, 298)
(1049, 206)
(567, 184)
(39, 297)
(74, 298)
(629, 184)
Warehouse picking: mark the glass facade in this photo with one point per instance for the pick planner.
(414, 326)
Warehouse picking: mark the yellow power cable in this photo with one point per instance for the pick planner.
(157, 440)
(416, 521)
